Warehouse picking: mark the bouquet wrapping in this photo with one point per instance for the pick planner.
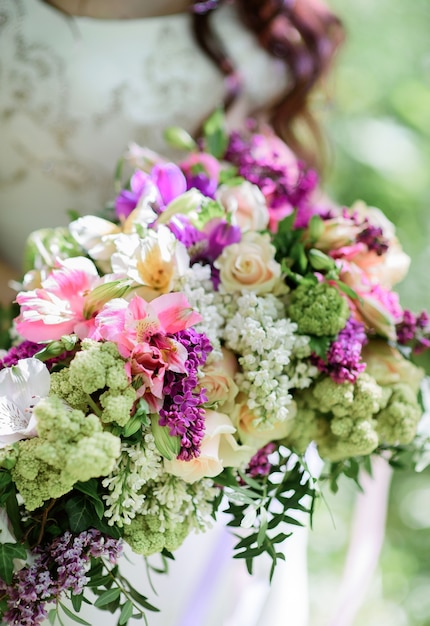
(177, 355)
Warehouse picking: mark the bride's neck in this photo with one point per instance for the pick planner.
(122, 9)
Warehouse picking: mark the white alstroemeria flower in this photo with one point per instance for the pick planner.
(96, 235)
(154, 261)
(21, 388)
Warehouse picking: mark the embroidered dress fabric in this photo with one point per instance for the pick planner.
(75, 91)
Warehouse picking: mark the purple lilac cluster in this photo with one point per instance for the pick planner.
(373, 238)
(182, 411)
(260, 465)
(343, 362)
(59, 567)
(271, 174)
(24, 350)
(414, 330)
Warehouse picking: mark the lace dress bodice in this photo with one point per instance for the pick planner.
(75, 91)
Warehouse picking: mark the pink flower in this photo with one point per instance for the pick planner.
(57, 308)
(140, 330)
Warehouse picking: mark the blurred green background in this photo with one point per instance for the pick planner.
(378, 123)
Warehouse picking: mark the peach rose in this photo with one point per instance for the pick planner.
(258, 436)
(218, 381)
(247, 204)
(249, 264)
(390, 268)
(337, 232)
(219, 449)
(388, 366)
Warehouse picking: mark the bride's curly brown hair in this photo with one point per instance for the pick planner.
(304, 34)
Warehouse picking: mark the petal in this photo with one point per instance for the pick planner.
(175, 312)
(170, 181)
(24, 382)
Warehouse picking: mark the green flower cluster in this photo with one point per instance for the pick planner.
(71, 447)
(98, 367)
(318, 310)
(347, 420)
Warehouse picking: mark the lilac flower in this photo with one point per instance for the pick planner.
(414, 331)
(343, 363)
(373, 238)
(58, 567)
(24, 350)
(260, 465)
(182, 410)
(284, 181)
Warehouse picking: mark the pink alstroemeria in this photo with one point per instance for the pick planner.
(140, 330)
(57, 308)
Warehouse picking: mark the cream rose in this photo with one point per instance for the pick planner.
(219, 449)
(247, 204)
(250, 265)
(217, 380)
(258, 436)
(388, 366)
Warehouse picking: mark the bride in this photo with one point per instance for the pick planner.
(79, 79)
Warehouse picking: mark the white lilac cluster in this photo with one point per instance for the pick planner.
(265, 338)
(140, 485)
(137, 465)
(197, 286)
(174, 502)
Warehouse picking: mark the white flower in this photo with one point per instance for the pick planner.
(21, 388)
(154, 261)
(219, 449)
(247, 204)
(249, 264)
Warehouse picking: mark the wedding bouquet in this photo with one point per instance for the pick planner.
(180, 354)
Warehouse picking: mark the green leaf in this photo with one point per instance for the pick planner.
(215, 134)
(297, 253)
(52, 616)
(5, 480)
(320, 345)
(107, 597)
(142, 600)
(126, 613)
(13, 513)
(76, 601)
(80, 513)
(347, 290)
(90, 488)
(73, 616)
(9, 552)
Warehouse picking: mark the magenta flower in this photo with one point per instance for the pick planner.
(202, 172)
(169, 181)
(165, 183)
(141, 184)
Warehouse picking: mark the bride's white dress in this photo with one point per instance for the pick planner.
(73, 93)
